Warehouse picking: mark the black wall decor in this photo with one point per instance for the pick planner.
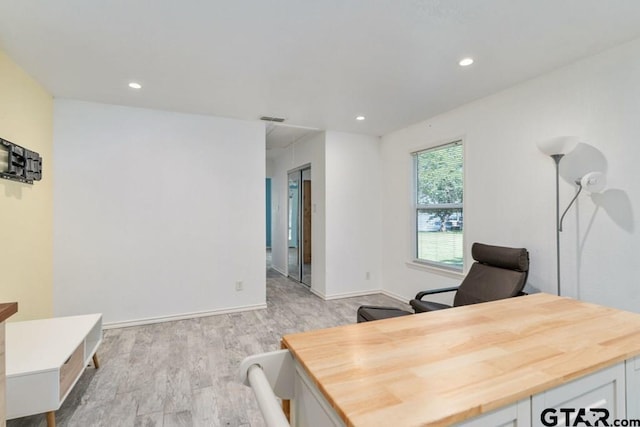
(22, 165)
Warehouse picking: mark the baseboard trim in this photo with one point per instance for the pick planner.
(279, 271)
(316, 293)
(394, 296)
(184, 316)
(346, 294)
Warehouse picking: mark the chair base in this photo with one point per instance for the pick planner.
(368, 313)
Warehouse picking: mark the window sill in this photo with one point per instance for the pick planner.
(435, 270)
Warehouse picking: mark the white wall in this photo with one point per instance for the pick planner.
(156, 213)
(509, 183)
(269, 167)
(309, 150)
(353, 214)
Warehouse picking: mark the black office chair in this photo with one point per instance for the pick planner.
(498, 273)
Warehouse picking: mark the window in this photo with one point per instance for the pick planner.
(439, 220)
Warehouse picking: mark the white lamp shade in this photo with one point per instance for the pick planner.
(594, 182)
(558, 145)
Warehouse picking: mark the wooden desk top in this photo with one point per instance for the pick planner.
(7, 310)
(438, 368)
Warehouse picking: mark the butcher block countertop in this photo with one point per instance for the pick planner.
(443, 367)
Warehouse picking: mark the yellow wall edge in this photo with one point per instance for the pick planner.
(26, 211)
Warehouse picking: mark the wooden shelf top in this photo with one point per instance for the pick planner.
(435, 369)
(7, 310)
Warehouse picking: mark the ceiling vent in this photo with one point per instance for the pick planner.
(272, 119)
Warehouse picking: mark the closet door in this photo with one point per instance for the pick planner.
(293, 226)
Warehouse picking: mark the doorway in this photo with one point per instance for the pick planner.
(299, 225)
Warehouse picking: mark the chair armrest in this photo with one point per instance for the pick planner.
(424, 306)
(435, 291)
(381, 307)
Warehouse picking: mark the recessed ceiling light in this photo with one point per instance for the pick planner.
(134, 85)
(360, 118)
(466, 62)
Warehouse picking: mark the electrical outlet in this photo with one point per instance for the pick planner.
(239, 285)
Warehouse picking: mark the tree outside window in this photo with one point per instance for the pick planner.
(438, 205)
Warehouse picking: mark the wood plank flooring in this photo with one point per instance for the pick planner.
(185, 373)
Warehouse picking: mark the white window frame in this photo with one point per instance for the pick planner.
(422, 264)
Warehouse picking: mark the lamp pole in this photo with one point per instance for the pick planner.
(556, 158)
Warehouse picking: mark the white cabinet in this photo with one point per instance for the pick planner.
(590, 398)
(514, 415)
(633, 388)
(310, 408)
(44, 360)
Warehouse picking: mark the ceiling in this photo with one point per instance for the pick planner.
(316, 63)
(280, 136)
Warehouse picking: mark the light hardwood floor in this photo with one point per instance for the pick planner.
(185, 373)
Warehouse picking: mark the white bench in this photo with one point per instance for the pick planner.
(44, 360)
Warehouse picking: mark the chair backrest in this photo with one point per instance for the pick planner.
(498, 273)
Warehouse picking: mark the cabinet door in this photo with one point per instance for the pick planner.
(588, 398)
(309, 407)
(515, 415)
(633, 388)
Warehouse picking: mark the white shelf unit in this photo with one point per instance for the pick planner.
(44, 360)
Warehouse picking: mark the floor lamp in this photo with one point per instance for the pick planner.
(557, 148)
(592, 182)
